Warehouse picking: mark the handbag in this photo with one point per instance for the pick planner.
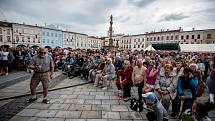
(136, 105)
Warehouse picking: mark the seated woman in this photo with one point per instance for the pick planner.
(108, 73)
(187, 88)
(166, 86)
(124, 82)
(151, 74)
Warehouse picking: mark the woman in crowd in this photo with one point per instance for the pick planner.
(166, 86)
(211, 82)
(151, 74)
(139, 77)
(124, 81)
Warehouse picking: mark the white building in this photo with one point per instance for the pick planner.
(27, 35)
(138, 42)
(95, 42)
(5, 33)
(69, 39)
(182, 37)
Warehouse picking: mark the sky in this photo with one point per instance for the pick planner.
(129, 16)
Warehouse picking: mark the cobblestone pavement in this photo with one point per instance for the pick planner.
(81, 103)
(9, 108)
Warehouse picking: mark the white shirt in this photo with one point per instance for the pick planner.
(5, 55)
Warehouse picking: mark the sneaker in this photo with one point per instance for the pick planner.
(46, 101)
(104, 88)
(32, 100)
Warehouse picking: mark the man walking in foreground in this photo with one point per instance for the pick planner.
(43, 67)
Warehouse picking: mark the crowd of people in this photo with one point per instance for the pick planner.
(162, 78)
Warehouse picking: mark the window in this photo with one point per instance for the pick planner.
(142, 46)
(154, 38)
(198, 37)
(158, 38)
(147, 39)
(134, 46)
(176, 37)
(8, 31)
(201, 41)
(138, 46)
(47, 33)
(52, 34)
(171, 37)
(28, 39)
(161, 37)
(47, 40)
(17, 30)
(17, 38)
(187, 37)
(138, 40)
(192, 36)
(150, 38)
(59, 35)
(209, 36)
(23, 31)
(143, 39)
(167, 37)
(0, 30)
(8, 39)
(1, 38)
(38, 40)
(195, 40)
(44, 41)
(44, 33)
(23, 39)
(182, 37)
(55, 34)
(52, 41)
(33, 39)
(134, 40)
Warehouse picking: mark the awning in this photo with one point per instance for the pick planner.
(166, 46)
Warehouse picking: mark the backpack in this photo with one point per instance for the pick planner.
(136, 105)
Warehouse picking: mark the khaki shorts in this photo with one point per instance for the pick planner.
(40, 77)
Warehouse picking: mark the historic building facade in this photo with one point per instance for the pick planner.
(27, 35)
(5, 33)
(95, 42)
(52, 37)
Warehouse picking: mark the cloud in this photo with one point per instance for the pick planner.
(173, 17)
(141, 3)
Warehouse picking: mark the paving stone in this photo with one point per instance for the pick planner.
(68, 114)
(97, 93)
(39, 106)
(74, 101)
(93, 102)
(110, 102)
(119, 108)
(28, 112)
(120, 120)
(82, 93)
(101, 107)
(114, 97)
(80, 107)
(143, 114)
(86, 97)
(111, 93)
(46, 113)
(130, 115)
(97, 120)
(22, 118)
(91, 114)
(76, 120)
(69, 96)
(59, 106)
(110, 115)
(53, 96)
(212, 114)
(102, 97)
(50, 119)
(57, 101)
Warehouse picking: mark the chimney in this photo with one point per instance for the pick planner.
(193, 29)
(24, 23)
(35, 24)
(161, 30)
(167, 29)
